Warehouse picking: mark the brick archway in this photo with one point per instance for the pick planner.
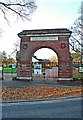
(55, 39)
(50, 45)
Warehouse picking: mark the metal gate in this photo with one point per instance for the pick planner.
(45, 71)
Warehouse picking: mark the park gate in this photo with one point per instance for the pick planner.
(55, 39)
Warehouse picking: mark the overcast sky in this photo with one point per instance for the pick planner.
(49, 14)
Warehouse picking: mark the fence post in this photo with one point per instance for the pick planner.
(2, 72)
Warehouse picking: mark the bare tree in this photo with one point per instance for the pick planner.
(76, 39)
(16, 49)
(21, 8)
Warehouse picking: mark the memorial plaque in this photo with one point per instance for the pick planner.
(64, 68)
(43, 38)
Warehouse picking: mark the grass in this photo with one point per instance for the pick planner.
(78, 76)
(10, 70)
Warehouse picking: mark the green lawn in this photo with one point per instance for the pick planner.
(10, 70)
(78, 76)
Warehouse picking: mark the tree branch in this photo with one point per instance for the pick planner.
(72, 47)
(21, 9)
(77, 41)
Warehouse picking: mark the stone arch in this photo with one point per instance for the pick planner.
(55, 39)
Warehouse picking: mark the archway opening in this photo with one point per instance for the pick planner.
(45, 64)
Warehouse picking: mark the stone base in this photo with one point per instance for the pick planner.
(65, 79)
(24, 78)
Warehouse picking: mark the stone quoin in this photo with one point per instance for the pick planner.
(55, 39)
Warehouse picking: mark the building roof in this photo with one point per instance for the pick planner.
(34, 60)
(44, 31)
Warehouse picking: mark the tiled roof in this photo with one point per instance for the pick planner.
(44, 31)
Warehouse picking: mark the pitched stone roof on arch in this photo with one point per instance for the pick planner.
(45, 31)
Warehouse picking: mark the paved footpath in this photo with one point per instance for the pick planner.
(17, 84)
(37, 81)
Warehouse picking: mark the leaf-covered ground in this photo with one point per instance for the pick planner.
(33, 92)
